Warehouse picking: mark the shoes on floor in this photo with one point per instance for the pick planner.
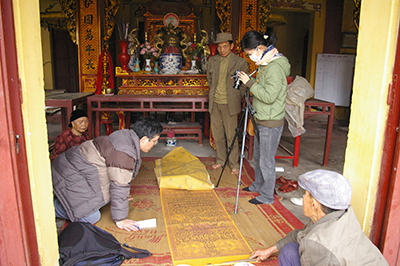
(297, 201)
(281, 181)
(289, 186)
(255, 201)
(246, 189)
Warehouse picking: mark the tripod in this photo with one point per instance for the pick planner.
(248, 111)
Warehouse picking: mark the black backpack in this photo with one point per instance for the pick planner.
(85, 244)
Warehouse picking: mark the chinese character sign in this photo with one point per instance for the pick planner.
(89, 42)
(249, 21)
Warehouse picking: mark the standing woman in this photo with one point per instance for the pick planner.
(269, 99)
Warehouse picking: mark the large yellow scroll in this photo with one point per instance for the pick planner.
(179, 169)
(199, 229)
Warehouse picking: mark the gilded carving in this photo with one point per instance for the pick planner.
(89, 84)
(204, 42)
(356, 13)
(147, 82)
(296, 4)
(164, 92)
(191, 82)
(134, 42)
(224, 12)
(169, 82)
(120, 71)
(106, 75)
(111, 8)
(265, 7)
(68, 7)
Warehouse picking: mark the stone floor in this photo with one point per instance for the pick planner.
(311, 152)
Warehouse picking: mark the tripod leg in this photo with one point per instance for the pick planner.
(241, 157)
(231, 147)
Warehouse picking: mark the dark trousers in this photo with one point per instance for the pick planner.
(289, 255)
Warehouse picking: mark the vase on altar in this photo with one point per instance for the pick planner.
(124, 57)
(193, 67)
(147, 67)
(137, 66)
(170, 63)
(156, 69)
(213, 49)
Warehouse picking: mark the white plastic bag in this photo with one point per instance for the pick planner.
(298, 92)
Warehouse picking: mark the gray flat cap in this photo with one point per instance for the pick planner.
(329, 188)
(223, 37)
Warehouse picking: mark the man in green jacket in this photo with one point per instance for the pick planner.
(333, 235)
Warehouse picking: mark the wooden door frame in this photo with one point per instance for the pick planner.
(18, 242)
(385, 231)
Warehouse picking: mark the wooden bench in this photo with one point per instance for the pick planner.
(184, 130)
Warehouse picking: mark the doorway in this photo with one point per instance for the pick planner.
(65, 61)
(294, 39)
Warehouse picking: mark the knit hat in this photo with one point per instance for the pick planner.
(329, 188)
(223, 37)
(78, 113)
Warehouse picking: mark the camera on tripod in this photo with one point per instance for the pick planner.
(237, 80)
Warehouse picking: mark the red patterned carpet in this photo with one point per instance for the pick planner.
(261, 225)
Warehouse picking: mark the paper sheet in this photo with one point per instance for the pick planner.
(149, 223)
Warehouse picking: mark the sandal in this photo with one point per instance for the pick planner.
(281, 181)
(290, 186)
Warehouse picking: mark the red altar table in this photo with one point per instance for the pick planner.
(131, 103)
(66, 101)
(147, 84)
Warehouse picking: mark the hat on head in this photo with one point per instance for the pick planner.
(223, 37)
(329, 188)
(78, 113)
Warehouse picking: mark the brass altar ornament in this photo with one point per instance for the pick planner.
(134, 42)
(171, 39)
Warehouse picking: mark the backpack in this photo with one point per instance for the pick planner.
(85, 244)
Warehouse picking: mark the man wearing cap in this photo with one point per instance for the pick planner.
(76, 133)
(333, 236)
(224, 100)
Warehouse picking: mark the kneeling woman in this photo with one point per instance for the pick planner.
(269, 98)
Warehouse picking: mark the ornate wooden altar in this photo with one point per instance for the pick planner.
(162, 85)
(187, 85)
(155, 10)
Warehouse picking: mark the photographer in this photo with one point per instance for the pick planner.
(269, 98)
(224, 100)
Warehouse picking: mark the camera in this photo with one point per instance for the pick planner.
(237, 80)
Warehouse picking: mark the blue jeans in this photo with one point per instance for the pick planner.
(61, 213)
(289, 255)
(264, 162)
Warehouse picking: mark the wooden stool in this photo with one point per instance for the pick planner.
(184, 129)
(109, 126)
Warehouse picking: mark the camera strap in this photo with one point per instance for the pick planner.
(260, 73)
